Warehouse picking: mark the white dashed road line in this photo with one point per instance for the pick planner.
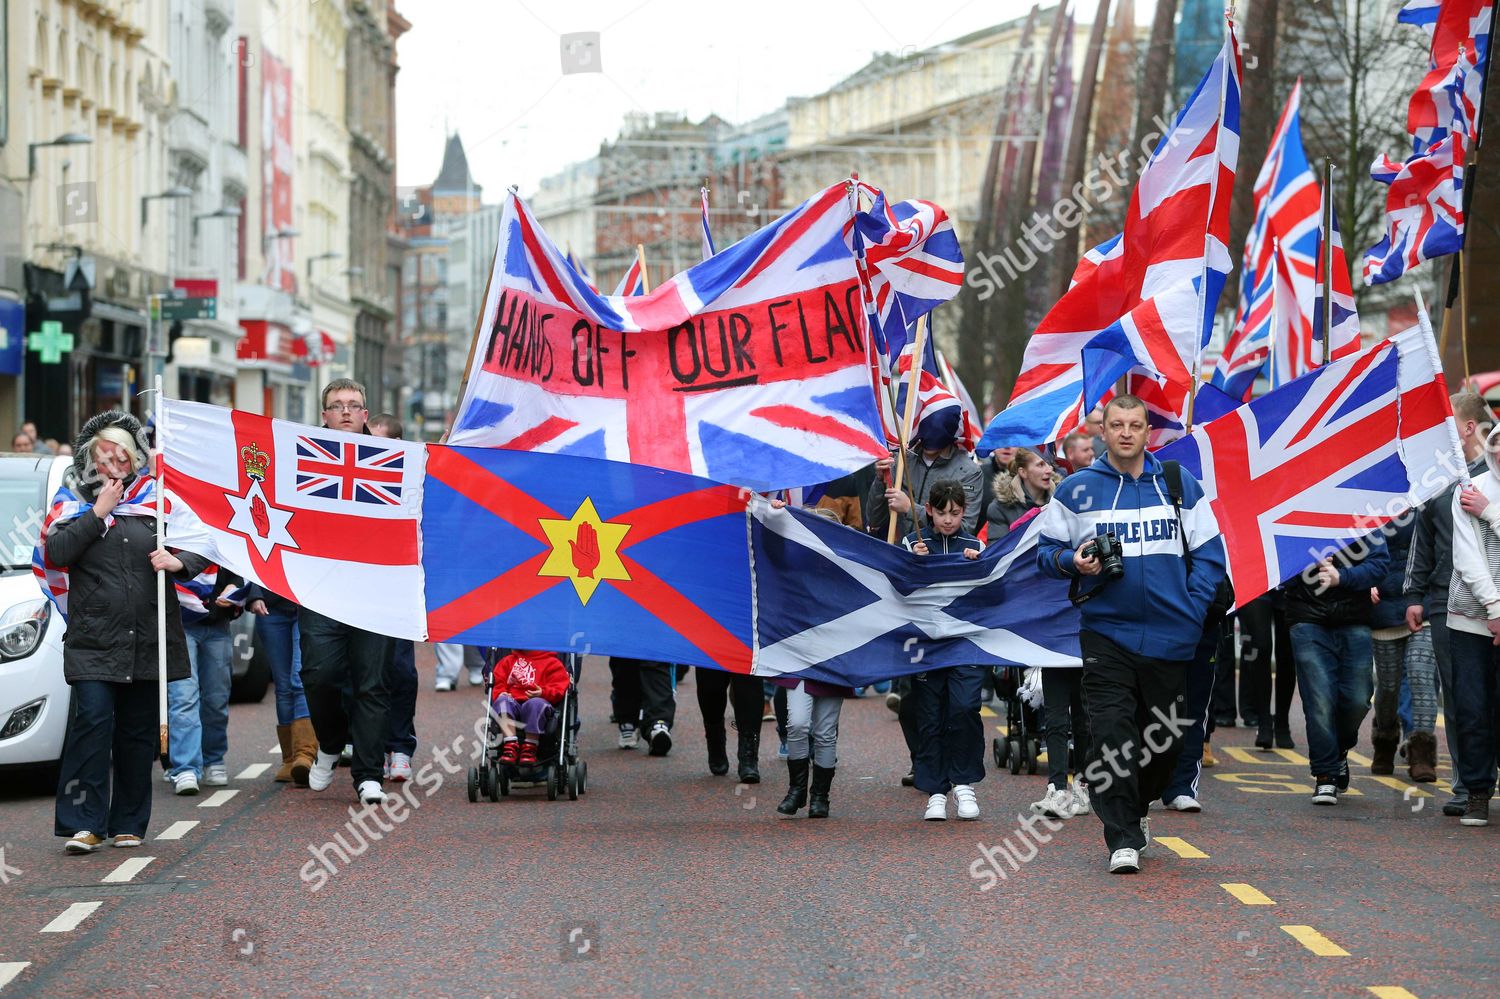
(71, 917)
(218, 798)
(253, 771)
(10, 969)
(127, 870)
(177, 830)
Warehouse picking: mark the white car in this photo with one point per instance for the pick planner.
(34, 698)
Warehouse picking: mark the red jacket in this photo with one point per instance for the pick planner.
(523, 669)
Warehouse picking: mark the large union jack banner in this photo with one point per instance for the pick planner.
(754, 367)
(1300, 472)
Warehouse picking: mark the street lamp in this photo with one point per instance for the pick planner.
(287, 232)
(330, 255)
(66, 139)
(171, 193)
(227, 212)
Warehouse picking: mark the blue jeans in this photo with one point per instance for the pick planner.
(1476, 708)
(281, 636)
(198, 706)
(1335, 668)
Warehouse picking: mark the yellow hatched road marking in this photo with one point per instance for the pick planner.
(1181, 847)
(1244, 755)
(1358, 760)
(1247, 894)
(1390, 992)
(1291, 757)
(985, 711)
(1396, 784)
(1315, 941)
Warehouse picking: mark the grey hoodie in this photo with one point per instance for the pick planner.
(1474, 593)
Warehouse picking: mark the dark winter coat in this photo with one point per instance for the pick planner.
(1011, 503)
(1391, 610)
(111, 632)
(1362, 565)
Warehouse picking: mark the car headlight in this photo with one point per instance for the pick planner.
(22, 626)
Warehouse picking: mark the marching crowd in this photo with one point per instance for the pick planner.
(1407, 618)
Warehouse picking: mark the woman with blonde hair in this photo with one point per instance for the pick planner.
(98, 561)
(1028, 486)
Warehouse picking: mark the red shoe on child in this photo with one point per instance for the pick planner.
(508, 753)
(528, 754)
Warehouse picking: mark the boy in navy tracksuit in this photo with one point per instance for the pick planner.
(948, 735)
(1138, 631)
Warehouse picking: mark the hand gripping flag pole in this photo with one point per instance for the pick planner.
(161, 577)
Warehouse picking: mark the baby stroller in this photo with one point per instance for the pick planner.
(558, 766)
(1020, 746)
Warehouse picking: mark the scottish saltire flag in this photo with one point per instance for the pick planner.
(706, 235)
(547, 551)
(1277, 290)
(1146, 298)
(634, 281)
(1425, 203)
(335, 527)
(138, 500)
(753, 367)
(838, 606)
(1342, 339)
(940, 418)
(1307, 468)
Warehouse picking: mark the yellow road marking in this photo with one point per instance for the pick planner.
(1390, 992)
(1359, 760)
(1315, 941)
(1245, 755)
(1247, 894)
(1181, 847)
(985, 711)
(1291, 757)
(1396, 784)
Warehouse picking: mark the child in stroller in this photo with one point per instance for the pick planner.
(528, 685)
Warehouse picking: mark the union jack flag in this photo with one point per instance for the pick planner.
(940, 417)
(583, 271)
(1303, 470)
(795, 406)
(1343, 336)
(1144, 299)
(139, 500)
(346, 470)
(1425, 204)
(707, 234)
(1455, 28)
(634, 281)
(1276, 277)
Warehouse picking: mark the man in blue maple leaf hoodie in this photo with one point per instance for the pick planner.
(1138, 632)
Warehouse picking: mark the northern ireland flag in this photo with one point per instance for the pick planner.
(327, 519)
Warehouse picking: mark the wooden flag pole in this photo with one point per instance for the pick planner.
(161, 582)
(913, 380)
(1463, 315)
(1326, 253)
(640, 254)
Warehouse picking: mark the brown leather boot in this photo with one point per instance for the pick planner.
(304, 750)
(1383, 759)
(1421, 757)
(284, 736)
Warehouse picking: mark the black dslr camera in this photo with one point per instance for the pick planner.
(1107, 551)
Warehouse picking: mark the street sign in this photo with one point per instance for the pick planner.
(173, 309)
(51, 343)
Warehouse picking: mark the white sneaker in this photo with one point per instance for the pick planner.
(1055, 804)
(442, 684)
(1146, 832)
(968, 805)
(476, 678)
(1081, 804)
(628, 738)
(370, 792)
(1125, 861)
(1184, 803)
(321, 774)
(400, 768)
(216, 776)
(937, 808)
(185, 783)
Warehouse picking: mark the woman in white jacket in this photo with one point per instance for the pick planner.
(1474, 625)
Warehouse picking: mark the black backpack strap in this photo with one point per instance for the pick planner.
(1172, 472)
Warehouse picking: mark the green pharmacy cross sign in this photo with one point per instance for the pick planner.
(51, 343)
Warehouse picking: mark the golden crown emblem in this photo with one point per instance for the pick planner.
(256, 461)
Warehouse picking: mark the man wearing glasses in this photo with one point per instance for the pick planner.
(337, 656)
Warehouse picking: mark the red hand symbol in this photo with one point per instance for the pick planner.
(261, 518)
(586, 551)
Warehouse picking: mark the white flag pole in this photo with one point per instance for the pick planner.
(161, 577)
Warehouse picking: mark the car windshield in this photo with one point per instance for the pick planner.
(23, 506)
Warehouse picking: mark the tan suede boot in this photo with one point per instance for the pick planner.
(284, 736)
(304, 749)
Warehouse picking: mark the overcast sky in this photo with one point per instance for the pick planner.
(491, 69)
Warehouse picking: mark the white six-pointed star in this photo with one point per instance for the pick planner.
(258, 520)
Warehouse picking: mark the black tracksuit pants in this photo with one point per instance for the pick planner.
(715, 690)
(336, 657)
(1136, 715)
(642, 688)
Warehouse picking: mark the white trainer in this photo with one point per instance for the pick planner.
(1125, 861)
(937, 808)
(1081, 804)
(321, 774)
(370, 792)
(628, 737)
(476, 678)
(216, 775)
(1185, 803)
(1146, 832)
(1057, 803)
(968, 805)
(400, 769)
(185, 783)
